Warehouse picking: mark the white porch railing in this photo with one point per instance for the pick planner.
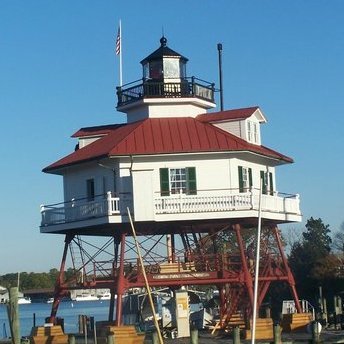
(205, 201)
(77, 210)
(182, 203)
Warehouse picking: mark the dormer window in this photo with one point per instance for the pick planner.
(252, 132)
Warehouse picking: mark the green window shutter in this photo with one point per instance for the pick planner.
(191, 180)
(271, 182)
(263, 180)
(241, 181)
(250, 177)
(164, 182)
(90, 190)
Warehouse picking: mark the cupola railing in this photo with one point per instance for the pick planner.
(185, 88)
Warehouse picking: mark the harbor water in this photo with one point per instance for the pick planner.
(68, 310)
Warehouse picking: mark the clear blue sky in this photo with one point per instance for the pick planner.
(58, 72)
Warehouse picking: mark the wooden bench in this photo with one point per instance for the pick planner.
(168, 268)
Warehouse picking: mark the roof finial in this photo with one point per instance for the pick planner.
(163, 40)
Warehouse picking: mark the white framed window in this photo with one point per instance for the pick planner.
(252, 132)
(267, 182)
(176, 180)
(245, 178)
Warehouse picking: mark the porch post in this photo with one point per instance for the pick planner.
(109, 207)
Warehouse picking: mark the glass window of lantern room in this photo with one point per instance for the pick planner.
(146, 70)
(155, 70)
(171, 68)
(182, 69)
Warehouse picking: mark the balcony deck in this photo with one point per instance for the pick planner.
(205, 206)
(187, 88)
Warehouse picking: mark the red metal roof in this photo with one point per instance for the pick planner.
(227, 115)
(161, 136)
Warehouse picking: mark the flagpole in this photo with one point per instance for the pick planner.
(256, 273)
(120, 54)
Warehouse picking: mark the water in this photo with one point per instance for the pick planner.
(69, 311)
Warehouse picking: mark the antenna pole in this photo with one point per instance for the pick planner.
(219, 48)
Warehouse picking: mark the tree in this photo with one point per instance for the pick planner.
(317, 237)
(338, 239)
(308, 255)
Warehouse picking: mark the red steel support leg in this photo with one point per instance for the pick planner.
(247, 275)
(113, 288)
(120, 283)
(291, 280)
(59, 291)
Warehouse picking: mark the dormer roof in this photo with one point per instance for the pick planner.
(99, 130)
(154, 136)
(232, 115)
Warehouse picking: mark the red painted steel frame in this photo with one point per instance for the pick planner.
(235, 282)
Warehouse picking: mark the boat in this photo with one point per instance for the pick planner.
(105, 296)
(24, 300)
(50, 300)
(86, 297)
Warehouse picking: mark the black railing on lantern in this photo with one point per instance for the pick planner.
(187, 87)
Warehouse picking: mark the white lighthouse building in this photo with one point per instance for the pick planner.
(172, 161)
(180, 171)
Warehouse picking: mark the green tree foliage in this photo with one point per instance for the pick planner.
(311, 259)
(316, 238)
(32, 280)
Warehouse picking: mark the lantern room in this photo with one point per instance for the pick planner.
(164, 84)
(164, 64)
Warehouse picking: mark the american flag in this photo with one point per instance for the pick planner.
(118, 41)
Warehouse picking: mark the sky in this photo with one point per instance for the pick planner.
(59, 72)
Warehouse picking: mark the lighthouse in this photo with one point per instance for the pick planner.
(191, 182)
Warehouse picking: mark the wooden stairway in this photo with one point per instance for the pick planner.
(296, 321)
(126, 334)
(264, 329)
(48, 335)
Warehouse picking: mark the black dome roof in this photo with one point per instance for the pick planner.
(163, 51)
